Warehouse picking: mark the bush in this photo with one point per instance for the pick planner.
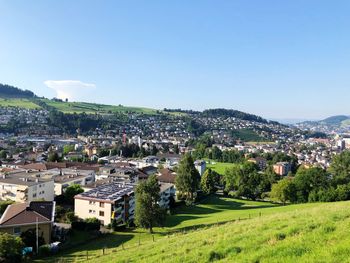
(10, 248)
(45, 251)
(92, 224)
(79, 225)
(71, 217)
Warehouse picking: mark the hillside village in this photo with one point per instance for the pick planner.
(87, 178)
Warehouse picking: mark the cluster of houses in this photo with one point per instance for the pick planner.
(108, 191)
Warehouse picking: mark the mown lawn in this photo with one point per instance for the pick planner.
(219, 167)
(213, 211)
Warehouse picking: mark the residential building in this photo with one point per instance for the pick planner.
(18, 218)
(260, 162)
(200, 166)
(167, 192)
(282, 168)
(22, 187)
(108, 203)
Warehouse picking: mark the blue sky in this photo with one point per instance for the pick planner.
(278, 59)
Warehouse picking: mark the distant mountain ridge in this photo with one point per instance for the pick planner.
(337, 123)
(333, 120)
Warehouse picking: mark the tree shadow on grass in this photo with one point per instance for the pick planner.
(210, 205)
(106, 241)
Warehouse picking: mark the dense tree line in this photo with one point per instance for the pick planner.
(316, 184)
(232, 113)
(214, 153)
(14, 92)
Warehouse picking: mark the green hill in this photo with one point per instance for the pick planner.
(19, 103)
(228, 230)
(7, 91)
(335, 120)
(92, 108)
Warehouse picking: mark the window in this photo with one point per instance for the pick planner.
(92, 211)
(102, 204)
(92, 203)
(102, 213)
(17, 231)
(34, 195)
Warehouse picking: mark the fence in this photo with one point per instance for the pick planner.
(91, 256)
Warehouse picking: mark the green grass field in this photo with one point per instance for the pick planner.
(231, 230)
(91, 108)
(21, 103)
(219, 167)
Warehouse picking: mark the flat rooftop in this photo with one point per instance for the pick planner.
(108, 192)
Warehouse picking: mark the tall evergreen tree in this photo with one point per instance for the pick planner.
(187, 178)
(148, 213)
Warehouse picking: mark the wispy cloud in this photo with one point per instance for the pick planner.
(69, 89)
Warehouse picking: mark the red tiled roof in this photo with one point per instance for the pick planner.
(19, 214)
(167, 176)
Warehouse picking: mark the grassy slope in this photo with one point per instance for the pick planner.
(318, 234)
(220, 167)
(256, 237)
(71, 107)
(21, 103)
(80, 107)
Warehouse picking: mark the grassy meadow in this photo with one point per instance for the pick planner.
(229, 230)
(219, 167)
(20, 103)
(92, 108)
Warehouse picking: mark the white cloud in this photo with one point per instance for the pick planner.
(69, 89)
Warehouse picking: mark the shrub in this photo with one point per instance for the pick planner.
(92, 224)
(280, 236)
(215, 255)
(45, 250)
(71, 217)
(10, 248)
(79, 225)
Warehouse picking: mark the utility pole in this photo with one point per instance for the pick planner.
(37, 237)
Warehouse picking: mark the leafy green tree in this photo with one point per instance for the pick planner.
(67, 149)
(209, 181)
(71, 217)
(340, 168)
(10, 248)
(216, 154)
(200, 150)
(53, 157)
(244, 180)
(187, 179)
(176, 149)
(29, 239)
(3, 154)
(284, 191)
(268, 179)
(148, 213)
(72, 191)
(4, 205)
(307, 180)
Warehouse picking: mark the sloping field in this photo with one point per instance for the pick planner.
(230, 230)
(20, 103)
